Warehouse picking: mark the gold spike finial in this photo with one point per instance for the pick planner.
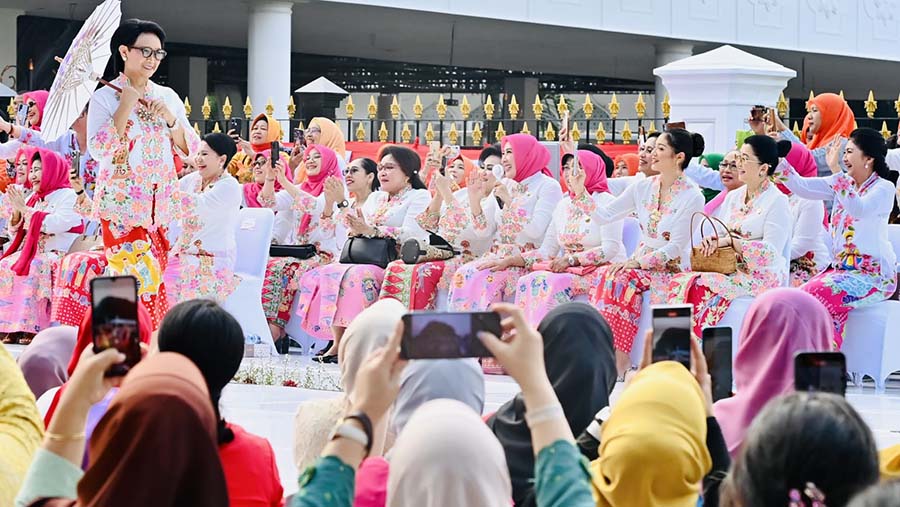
(197, 128)
(226, 108)
(885, 133)
(373, 108)
(360, 132)
(576, 134)
(383, 133)
(216, 129)
(441, 107)
(350, 108)
(187, 108)
(500, 133)
(796, 130)
(513, 107)
(782, 105)
(429, 133)
(588, 106)
(395, 108)
(418, 108)
(841, 94)
(464, 108)
(248, 108)
(537, 108)
(406, 133)
(550, 132)
(626, 133)
(897, 106)
(640, 107)
(453, 134)
(871, 105)
(562, 107)
(652, 128)
(476, 134)
(270, 107)
(666, 106)
(613, 107)
(291, 107)
(489, 108)
(206, 109)
(601, 134)
(525, 129)
(809, 100)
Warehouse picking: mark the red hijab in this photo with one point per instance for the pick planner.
(54, 176)
(40, 99)
(252, 189)
(594, 172)
(531, 157)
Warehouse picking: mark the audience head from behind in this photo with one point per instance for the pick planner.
(799, 439)
(674, 150)
(212, 339)
(398, 168)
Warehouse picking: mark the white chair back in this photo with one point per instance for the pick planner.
(631, 235)
(894, 238)
(253, 237)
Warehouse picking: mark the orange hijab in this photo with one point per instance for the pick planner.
(837, 120)
(631, 160)
(468, 166)
(275, 132)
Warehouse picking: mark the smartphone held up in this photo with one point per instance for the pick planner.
(447, 335)
(114, 320)
(672, 333)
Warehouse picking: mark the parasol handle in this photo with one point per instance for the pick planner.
(107, 83)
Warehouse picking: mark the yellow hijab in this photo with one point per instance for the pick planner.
(653, 447)
(275, 132)
(331, 137)
(890, 463)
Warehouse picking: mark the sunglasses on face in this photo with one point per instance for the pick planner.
(351, 170)
(31, 104)
(160, 54)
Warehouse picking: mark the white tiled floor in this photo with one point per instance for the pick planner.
(269, 410)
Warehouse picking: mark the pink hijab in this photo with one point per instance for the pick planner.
(780, 323)
(594, 172)
(40, 99)
(315, 184)
(531, 156)
(252, 189)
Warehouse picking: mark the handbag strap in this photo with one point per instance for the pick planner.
(711, 220)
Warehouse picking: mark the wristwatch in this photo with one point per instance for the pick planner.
(593, 429)
(573, 261)
(343, 204)
(361, 436)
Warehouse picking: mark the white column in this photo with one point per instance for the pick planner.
(269, 56)
(8, 43)
(666, 53)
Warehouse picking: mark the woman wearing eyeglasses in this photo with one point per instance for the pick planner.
(281, 229)
(133, 134)
(311, 206)
(324, 132)
(759, 229)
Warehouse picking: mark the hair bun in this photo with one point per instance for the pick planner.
(784, 147)
(699, 144)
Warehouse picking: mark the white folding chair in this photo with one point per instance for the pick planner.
(253, 237)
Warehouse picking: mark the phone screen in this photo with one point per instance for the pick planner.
(820, 371)
(757, 113)
(672, 333)
(446, 335)
(717, 349)
(276, 152)
(114, 320)
(299, 137)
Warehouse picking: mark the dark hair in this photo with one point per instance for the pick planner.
(689, 143)
(370, 167)
(489, 151)
(608, 162)
(212, 339)
(766, 150)
(800, 438)
(872, 144)
(653, 135)
(409, 162)
(891, 142)
(222, 145)
(882, 495)
(126, 35)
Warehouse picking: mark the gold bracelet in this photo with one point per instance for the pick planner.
(62, 438)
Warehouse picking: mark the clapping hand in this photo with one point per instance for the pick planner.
(334, 190)
(444, 185)
(16, 198)
(357, 224)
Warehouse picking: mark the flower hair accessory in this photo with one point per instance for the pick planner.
(811, 493)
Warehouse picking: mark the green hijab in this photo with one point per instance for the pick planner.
(713, 160)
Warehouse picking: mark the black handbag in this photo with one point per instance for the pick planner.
(296, 251)
(362, 250)
(415, 251)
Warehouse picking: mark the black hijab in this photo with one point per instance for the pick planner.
(581, 365)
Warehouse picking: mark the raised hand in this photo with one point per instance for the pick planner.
(834, 153)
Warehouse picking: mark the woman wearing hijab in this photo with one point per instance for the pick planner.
(447, 456)
(284, 221)
(314, 420)
(626, 165)
(21, 428)
(20, 182)
(202, 262)
(580, 364)
(44, 361)
(212, 339)
(263, 131)
(863, 262)
(764, 364)
(757, 211)
(42, 227)
(529, 195)
(424, 285)
(323, 132)
(567, 264)
(160, 424)
(311, 207)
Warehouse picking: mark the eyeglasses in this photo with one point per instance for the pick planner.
(733, 166)
(745, 159)
(160, 54)
(386, 168)
(314, 156)
(351, 170)
(314, 130)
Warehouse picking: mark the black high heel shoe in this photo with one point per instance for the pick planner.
(325, 349)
